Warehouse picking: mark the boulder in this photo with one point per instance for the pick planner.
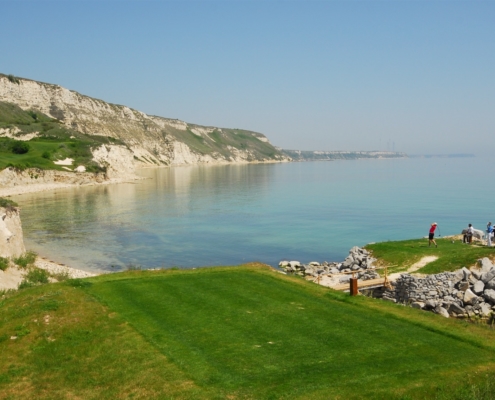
(294, 264)
(314, 264)
(283, 264)
(490, 284)
(489, 295)
(469, 297)
(456, 308)
(430, 304)
(488, 276)
(478, 287)
(442, 311)
(345, 279)
(418, 304)
(355, 249)
(466, 273)
(476, 273)
(485, 264)
(463, 286)
(485, 309)
(478, 234)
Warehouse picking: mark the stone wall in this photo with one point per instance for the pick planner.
(463, 293)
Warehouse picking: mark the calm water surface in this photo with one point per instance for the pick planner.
(226, 215)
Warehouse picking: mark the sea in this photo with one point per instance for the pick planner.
(211, 215)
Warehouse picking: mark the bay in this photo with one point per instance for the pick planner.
(230, 214)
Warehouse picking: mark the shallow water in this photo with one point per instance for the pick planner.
(226, 215)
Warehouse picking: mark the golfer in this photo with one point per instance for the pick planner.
(432, 234)
(489, 233)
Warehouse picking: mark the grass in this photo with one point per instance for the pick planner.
(451, 256)
(4, 263)
(259, 336)
(240, 333)
(25, 259)
(54, 142)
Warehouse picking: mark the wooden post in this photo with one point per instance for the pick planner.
(353, 286)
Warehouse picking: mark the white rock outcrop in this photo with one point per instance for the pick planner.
(153, 140)
(11, 239)
(118, 160)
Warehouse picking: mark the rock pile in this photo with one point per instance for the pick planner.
(358, 260)
(463, 293)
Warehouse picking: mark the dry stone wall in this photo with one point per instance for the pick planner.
(464, 293)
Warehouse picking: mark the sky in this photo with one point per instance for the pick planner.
(410, 76)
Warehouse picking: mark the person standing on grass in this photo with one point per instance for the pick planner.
(468, 236)
(489, 232)
(432, 234)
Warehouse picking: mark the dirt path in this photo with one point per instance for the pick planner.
(333, 280)
(413, 268)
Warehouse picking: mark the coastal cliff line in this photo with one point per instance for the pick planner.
(152, 140)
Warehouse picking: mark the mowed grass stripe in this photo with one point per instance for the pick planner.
(259, 334)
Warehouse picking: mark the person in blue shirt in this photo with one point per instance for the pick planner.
(489, 232)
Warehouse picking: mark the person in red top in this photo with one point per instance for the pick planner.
(432, 233)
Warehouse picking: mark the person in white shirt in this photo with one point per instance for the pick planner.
(468, 236)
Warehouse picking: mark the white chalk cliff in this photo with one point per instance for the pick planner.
(11, 239)
(148, 139)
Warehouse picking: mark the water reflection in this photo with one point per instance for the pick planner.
(164, 220)
(220, 215)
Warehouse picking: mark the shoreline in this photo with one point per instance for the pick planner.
(21, 189)
(11, 278)
(45, 187)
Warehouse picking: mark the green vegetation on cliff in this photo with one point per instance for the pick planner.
(53, 141)
(154, 139)
(242, 332)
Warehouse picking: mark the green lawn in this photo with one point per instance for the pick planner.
(240, 333)
(451, 256)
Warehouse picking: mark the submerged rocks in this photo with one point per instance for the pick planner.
(358, 261)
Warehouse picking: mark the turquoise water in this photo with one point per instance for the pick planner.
(226, 215)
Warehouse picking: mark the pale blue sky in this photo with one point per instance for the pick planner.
(311, 75)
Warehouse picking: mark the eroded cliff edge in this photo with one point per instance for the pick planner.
(151, 140)
(11, 239)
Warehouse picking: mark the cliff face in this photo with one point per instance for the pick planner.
(152, 140)
(11, 239)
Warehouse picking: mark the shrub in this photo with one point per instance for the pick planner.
(7, 203)
(46, 155)
(26, 259)
(37, 276)
(4, 263)
(13, 79)
(33, 115)
(95, 168)
(61, 276)
(20, 147)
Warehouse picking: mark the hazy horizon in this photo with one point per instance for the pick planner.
(408, 76)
